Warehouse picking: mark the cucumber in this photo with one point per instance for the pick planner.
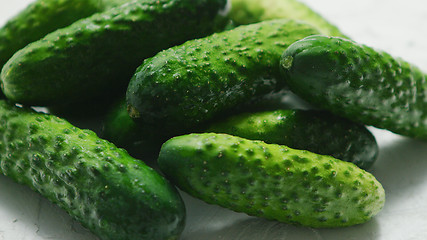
(271, 181)
(358, 82)
(96, 56)
(119, 128)
(112, 194)
(42, 17)
(253, 11)
(186, 85)
(305, 130)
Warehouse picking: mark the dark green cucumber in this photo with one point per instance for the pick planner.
(119, 128)
(96, 56)
(114, 195)
(316, 131)
(189, 84)
(252, 11)
(358, 82)
(271, 181)
(42, 17)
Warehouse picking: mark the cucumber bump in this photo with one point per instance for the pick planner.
(358, 82)
(112, 194)
(95, 57)
(271, 181)
(305, 130)
(189, 84)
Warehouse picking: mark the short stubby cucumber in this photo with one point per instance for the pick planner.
(42, 17)
(114, 195)
(358, 82)
(252, 11)
(306, 130)
(189, 84)
(271, 181)
(96, 56)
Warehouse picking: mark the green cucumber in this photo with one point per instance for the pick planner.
(96, 56)
(189, 84)
(271, 181)
(112, 194)
(358, 82)
(119, 128)
(305, 130)
(42, 17)
(252, 11)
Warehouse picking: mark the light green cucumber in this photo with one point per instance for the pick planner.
(358, 82)
(271, 181)
(316, 131)
(252, 11)
(112, 194)
(44, 16)
(95, 57)
(190, 84)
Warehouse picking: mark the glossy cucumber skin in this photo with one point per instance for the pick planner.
(358, 82)
(189, 84)
(119, 128)
(112, 194)
(271, 181)
(96, 56)
(42, 17)
(317, 131)
(252, 11)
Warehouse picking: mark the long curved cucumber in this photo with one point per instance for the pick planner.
(358, 82)
(271, 181)
(189, 84)
(306, 130)
(96, 56)
(114, 195)
(252, 11)
(42, 17)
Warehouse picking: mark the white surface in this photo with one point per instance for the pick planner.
(396, 26)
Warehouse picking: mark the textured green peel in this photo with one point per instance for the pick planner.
(189, 84)
(316, 131)
(114, 195)
(253, 11)
(42, 17)
(358, 82)
(96, 56)
(271, 181)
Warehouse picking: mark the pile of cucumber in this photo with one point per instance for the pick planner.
(199, 85)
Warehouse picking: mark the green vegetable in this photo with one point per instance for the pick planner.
(114, 195)
(252, 11)
(96, 56)
(189, 84)
(306, 130)
(119, 128)
(40, 18)
(271, 181)
(358, 82)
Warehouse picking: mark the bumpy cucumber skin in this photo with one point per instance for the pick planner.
(358, 82)
(96, 56)
(305, 130)
(253, 11)
(189, 84)
(112, 194)
(42, 17)
(271, 181)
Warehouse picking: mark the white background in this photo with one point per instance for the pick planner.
(396, 26)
